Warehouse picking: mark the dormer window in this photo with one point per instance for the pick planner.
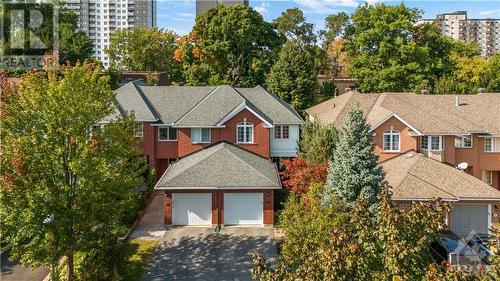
(391, 141)
(244, 132)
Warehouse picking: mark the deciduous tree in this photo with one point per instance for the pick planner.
(292, 25)
(74, 44)
(64, 184)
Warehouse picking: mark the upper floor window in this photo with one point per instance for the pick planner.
(200, 135)
(281, 132)
(391, 141)
(167, 134)
(139, 130)
(492, 144)
(434, 143)
(463, 141)
(488, 177)
(244, 132)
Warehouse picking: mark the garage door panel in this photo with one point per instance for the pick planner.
(192, 209)
(243, 208)
(467, 218)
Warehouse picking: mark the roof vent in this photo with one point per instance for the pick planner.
(481, 90)
(347, 89)
(424, 92)
(410, 155)
(457, 101)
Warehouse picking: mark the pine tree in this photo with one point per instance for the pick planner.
(353, 173)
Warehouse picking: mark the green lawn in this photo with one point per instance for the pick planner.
(138, 252)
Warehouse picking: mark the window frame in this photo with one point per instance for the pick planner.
(461, 139)
(486, 179)
(391, 134)
(279, 130)
(168, 133)
(201, 135)
(429, 143)
(138, 133)
(492, 144)
(245, 126)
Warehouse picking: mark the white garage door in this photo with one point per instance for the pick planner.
(192, 208)
(243, 208)
(466, 218)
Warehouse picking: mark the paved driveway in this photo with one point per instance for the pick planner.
(13, 271)
(194, 253)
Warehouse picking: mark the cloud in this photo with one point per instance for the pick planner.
(326, 6)
(490, 12)
(263, 8)
(185, 15)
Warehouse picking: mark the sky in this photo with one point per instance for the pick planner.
(179, 15)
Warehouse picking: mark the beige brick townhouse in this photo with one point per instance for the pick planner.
(444, 146)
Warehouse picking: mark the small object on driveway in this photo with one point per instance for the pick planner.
(217, 229)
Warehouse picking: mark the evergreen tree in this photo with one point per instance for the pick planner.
(293, 76)
(353, 173)
(317, 142)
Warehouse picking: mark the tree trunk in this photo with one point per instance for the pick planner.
(70, 269)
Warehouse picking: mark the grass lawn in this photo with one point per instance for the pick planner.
(138, 253)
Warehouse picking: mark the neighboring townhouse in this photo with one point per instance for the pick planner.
(212, 149)
(422, 140)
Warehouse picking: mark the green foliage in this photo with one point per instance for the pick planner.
(491, 76)
(326, 242)
(334, 27)
(52, 165)
(317, 142)
(137, 254)
(144, 49)
(326, 91)
(388, 52)
(234, 44)
(353, 173)
(293, 77)
(292, 25)
(74, 45)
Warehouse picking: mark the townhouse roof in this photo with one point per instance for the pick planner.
(221, 166)
(427, 114)
(204, 106)
(413, 176)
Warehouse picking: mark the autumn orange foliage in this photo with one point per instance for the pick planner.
(299, 174)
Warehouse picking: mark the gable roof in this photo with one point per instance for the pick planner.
(206, 106)
(413, 176)
(221, 166)
(428, 114)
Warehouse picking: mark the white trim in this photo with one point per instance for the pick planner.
(490, 213)
(245, 125)
(462, 141)
(391, 133)
(240, 108)
(168, 134)
(141, 135)
(493, 144)
(400, 119)
(214, 187)
(429, 143)
(211, 127)
(201, 135)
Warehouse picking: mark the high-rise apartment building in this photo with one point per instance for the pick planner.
(99, 18)
(485, 32)
(205, 5)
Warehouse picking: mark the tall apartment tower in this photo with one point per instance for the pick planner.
(456, 25)
(99, 18)
(205, 5)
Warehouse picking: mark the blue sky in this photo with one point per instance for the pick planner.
(178, 15)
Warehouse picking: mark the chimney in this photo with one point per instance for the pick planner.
(457, 101)
(481, 90)
(424, 92)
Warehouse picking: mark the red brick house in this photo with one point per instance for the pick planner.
(422, 140)
(212, 148)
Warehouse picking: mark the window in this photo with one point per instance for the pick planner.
(463, 141)
(488, 177)
(432, 143)
(167, 134)
(200, 135)
(244, 132)
(492, 144)
(281, 132)
(391, 141)
(139, 130)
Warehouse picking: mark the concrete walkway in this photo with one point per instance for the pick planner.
(151, 225)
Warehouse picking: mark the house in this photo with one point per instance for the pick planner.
(422, 140)
(213, 149)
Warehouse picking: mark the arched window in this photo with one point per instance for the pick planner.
(391, 140)
(244, 132)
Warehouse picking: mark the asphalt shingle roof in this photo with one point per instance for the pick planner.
(187, 106)
(426, 113)
(413, 176)
(221, 166)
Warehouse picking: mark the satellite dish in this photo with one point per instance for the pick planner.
(462, 166)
